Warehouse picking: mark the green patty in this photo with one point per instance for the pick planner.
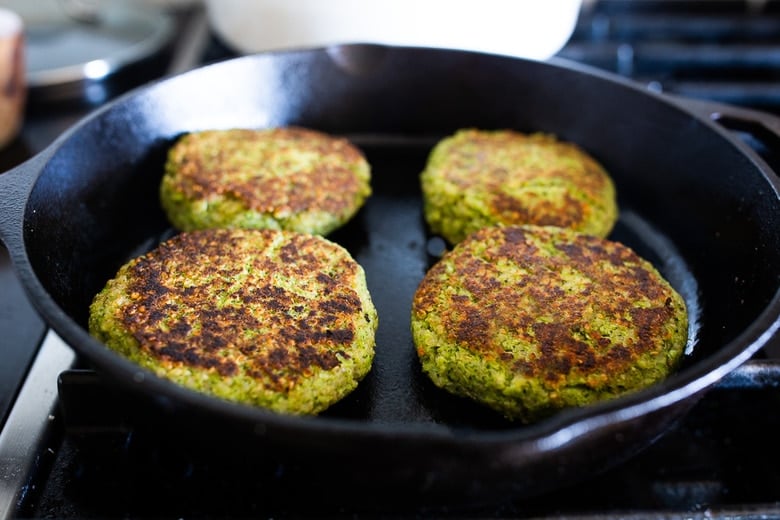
(479, 178)
(529, 320)
(281, 178)
(270, 318)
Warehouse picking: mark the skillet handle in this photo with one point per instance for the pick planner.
(15, 187)
(756, 373)
(759, 130)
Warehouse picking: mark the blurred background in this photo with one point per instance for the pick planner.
(726, 50)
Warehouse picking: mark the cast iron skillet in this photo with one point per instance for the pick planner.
(694, 201)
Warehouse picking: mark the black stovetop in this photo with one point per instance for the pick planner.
(721, 460)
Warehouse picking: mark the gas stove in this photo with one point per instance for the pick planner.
(724, 51)
(69, 450)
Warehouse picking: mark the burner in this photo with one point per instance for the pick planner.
(705, 464)
(723, 51)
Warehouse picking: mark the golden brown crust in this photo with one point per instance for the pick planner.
(215, 163)
(542, 157)
(195, 297)
(577, 303)
(477, 178)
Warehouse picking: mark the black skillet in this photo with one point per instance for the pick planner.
(694, 200)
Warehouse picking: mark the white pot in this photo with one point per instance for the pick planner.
(523, 28)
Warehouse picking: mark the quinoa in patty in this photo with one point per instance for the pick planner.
(271, 318)
(278, 178)
(532, 319)
(478, 178)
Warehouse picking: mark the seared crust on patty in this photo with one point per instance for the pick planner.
(280, 178)
(478, 178)
(270, 318)
(530, 319)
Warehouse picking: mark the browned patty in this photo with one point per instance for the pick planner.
(477, 178)
(533, 319)
(281, 178)
(274, 318)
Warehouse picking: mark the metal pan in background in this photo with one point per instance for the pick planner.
(74, 50)
(694, 200)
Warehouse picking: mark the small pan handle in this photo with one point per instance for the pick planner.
(757, 373)
(759, 130)
(15, 187)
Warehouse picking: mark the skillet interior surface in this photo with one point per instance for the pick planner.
(691, 201)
